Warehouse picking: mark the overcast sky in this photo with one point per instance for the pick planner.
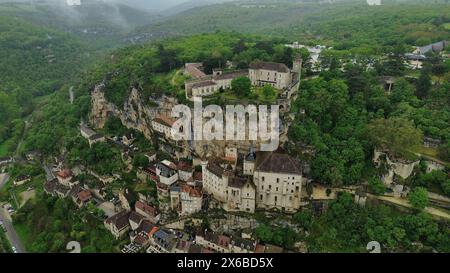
(147, 4)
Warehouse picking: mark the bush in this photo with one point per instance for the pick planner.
(418, 198)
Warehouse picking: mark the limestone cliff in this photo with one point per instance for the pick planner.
(134, 114)
(403, 169)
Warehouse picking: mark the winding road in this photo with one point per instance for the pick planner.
(7, 221)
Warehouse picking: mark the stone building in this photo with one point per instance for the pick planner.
(241, 194)
(163, 125)
(267, 73)
(278, 180)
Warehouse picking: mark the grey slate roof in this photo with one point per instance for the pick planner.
(237, 182)
(275, 162)
(203, 84)
(282, 68)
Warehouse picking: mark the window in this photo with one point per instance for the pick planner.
(261, 197)
(278, 180)
(262, 178)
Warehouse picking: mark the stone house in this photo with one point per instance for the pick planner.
(118, 224)
(148, 212)
(267, 73)
(191, 200)
(278, 180)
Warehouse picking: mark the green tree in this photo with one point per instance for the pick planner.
(423, 85)
(268, 91)
(376, 186)
(242, 86)
(140, 160)
(264, 233)
(418, 198)
(396, 134)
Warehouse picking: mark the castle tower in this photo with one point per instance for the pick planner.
(297, 65)
(249, 162)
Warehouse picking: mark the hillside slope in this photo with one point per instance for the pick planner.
(343, 24)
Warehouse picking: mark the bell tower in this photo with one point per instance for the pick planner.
(297, 64)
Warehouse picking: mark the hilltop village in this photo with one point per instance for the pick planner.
(151, 193)
(239, 179)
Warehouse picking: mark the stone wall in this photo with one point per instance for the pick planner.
(402, 168)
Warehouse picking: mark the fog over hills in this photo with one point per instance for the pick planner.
(149, 5)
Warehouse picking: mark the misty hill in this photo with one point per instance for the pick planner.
(100, 23)
(343, 23)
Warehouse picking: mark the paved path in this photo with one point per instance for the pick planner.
(404, 202)
(3, 179)
(7, 221)
(71, 95)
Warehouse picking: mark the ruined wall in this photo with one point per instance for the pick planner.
(136, 115)
(403, 169)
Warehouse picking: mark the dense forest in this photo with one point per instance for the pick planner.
(35, 61)
(351, 24)
(347, 228)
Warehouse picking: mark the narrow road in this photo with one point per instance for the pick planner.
(7, 221)
(3, 179)
(71, 95)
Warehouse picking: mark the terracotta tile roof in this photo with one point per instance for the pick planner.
(84, 195)
(141, 239)
(193, 69)
(184, 166)
(193, 192)
(64, 174)
(164, 120)
(220, 240)
(146, 208)
(146, 226)
(223, 241)
(260, 248)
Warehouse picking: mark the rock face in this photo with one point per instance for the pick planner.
(134, 114)
(402, 169)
